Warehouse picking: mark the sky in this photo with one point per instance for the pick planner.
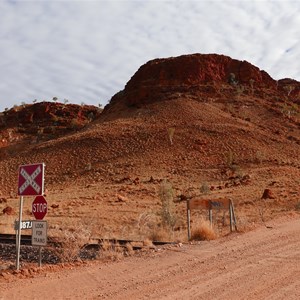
(86, 51)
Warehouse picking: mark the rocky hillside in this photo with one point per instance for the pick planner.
(190, 119)
(33, 123)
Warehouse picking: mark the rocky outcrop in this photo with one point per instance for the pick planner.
(43, 119)
(190, 73)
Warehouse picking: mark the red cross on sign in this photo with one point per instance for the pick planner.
(31, 180)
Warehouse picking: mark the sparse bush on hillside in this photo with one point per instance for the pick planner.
(166, 195)
(231, 161)
(171, 132)
(204, 188)
(147, 221)
(260, 156)
(289, 89)
(251, 82)
(290, 109)
(150, 227)
(75, 124)
(239, 90)
(229, 158)
(232, 80)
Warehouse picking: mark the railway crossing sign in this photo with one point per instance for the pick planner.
(39, 207)
(30, 183)
(31, 180)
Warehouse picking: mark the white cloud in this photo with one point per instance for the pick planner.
(86, 51)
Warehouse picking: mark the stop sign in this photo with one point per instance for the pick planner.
(39, 207)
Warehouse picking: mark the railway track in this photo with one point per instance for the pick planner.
(96, 243)
(53, 253)
(11, 239)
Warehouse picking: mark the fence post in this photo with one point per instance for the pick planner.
(233, 214)
(210, 216)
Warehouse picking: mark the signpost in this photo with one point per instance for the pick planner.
(39, 236)
(31, 180)
(25, 224)
(30, 183)
(224, 203)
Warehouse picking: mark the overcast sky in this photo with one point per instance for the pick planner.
(86, 51)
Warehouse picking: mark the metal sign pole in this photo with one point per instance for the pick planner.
(230, 216)
(188, 211)
(40, 256)
(18, 245)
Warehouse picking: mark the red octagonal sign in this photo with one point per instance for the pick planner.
(39, 207)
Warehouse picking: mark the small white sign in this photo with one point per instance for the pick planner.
(39, 233)
(27, 224)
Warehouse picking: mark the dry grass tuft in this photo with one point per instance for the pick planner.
(148, 243)
(71, 242)
(160, 234)
(111, 251)
(129, 250)
(203, 232)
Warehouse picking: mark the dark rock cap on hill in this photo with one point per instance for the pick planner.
(195, 73)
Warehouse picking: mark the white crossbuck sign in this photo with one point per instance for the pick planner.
(30, 180)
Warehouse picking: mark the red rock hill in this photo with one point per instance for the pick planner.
(205, 75)
(255, 120)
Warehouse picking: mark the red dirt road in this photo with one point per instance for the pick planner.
(262, 264)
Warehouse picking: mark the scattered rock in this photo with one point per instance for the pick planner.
(3, 200)
(136, 181)
(121, 198)
(268, 194)
(8, 211)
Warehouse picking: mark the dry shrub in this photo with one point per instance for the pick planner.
(147, 222)
(147, 243)
(71, 239)
(166, 195)
(149, 227)
(111, 251)
(160, 234)
(203, 232)
(71, 242)
(244, 223)
(129, 250)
